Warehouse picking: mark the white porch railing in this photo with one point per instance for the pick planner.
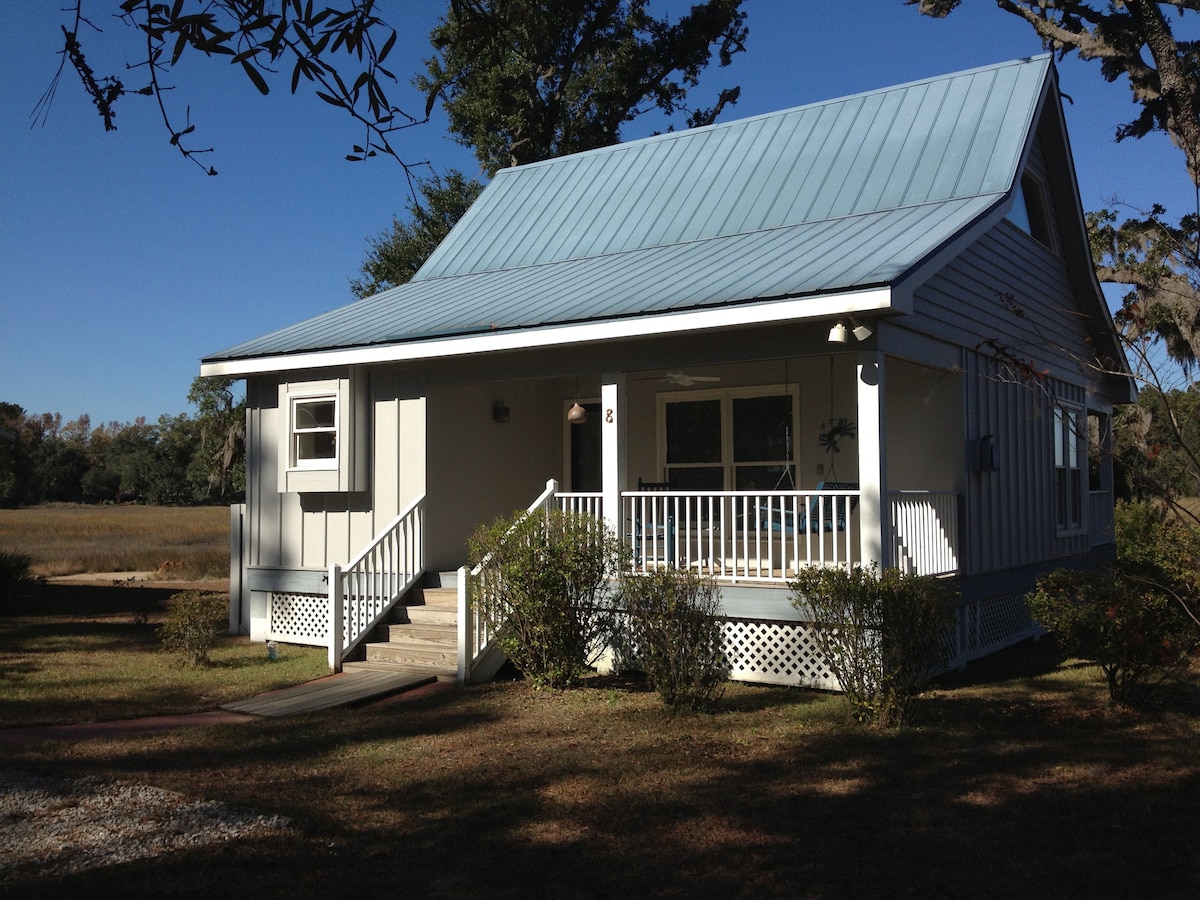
(924, 531)
(742, 535)
(762, 536)
(477, 653)
(361, 593)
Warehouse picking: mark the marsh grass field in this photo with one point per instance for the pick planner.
(175, 543)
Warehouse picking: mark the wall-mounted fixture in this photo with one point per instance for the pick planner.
(983, 454)
(500, 412)
(840, 334)
(576, 415)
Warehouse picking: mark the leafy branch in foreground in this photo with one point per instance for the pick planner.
(340, 50)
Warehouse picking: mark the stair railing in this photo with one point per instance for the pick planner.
(364, 591)
(478, 655)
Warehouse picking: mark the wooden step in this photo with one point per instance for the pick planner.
(440, 597)
(424, 615)
(422, 635)
(440, 673)
(407, 654)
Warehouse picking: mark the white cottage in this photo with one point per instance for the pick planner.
(865, 330)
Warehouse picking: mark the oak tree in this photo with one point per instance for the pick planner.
(524, 80)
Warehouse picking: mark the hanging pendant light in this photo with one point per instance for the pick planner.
(576, 415)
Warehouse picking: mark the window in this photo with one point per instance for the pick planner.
(730, 441)
(1068, 470)
(323, 437)
(1030, 211)
(314, 432)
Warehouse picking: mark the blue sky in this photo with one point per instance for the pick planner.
(121, 264)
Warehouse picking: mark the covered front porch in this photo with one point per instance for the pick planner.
(843, 458)
(768, 536)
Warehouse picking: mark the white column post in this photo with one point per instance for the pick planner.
(466, 626)
(875, 541)
(613, 447)
(336, 625)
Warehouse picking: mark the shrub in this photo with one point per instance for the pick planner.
(676, 635)
(15, 572)
(193, 624)
(882, 636)
(547, 591)
(1131, 617)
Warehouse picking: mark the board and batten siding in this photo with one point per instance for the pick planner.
(1009, 302)
(293, 530)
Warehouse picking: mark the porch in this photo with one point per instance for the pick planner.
(769, 536)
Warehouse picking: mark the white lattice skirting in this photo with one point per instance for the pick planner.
(299, 619)
(758, 651)
(775, 653)
(992, 624)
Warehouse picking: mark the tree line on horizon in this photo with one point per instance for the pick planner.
(179, 460)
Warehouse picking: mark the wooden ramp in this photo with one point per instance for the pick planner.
(346, 689)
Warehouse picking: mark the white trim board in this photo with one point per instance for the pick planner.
(798, 308)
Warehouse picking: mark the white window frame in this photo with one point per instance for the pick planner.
(1070, 477)
(349, 468)
(296, 432)
(1031, 210)
(726, 396)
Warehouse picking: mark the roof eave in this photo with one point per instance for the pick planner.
(861, 300)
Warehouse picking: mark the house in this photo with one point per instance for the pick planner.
(860, 331)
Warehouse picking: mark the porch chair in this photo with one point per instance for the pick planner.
(664, 529)
(823, 513)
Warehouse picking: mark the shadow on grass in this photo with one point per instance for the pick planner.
(501, 792)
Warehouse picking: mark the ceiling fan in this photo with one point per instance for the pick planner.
(684, 380)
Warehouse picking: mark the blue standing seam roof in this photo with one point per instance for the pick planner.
(828, 197)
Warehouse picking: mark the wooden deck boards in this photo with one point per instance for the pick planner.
(345, 689)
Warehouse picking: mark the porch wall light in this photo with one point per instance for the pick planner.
(500, 412)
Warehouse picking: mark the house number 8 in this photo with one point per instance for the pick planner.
(608, 416)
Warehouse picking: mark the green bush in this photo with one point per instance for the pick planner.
(882, 636)
(193, 624)
(15, 572)
(676, 635)
(1131, 617)
(547, 591)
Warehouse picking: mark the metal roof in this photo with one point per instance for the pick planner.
(829, 197)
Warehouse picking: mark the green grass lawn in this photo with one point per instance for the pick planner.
(67, 658)
(1015, 780)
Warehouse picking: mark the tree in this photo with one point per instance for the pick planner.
(1122, 35)
(1157, 260)
(340, 49)
(524, 80)
(396, 255)
(221, 424)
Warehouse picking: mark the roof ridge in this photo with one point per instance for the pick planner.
(816, 104)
